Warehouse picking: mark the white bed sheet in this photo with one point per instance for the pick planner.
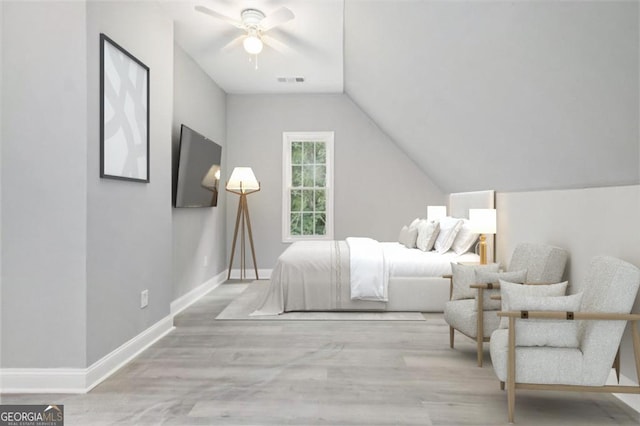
(404, 262)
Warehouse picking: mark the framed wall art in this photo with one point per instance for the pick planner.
(124, 114)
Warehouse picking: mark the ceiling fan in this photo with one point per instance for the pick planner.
(255, 23)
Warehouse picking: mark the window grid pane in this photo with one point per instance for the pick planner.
(308, 188)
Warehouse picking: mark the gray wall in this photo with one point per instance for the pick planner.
(199, 234)
(129, 245)
(1, 135)
(377, 187)
(587, 222)
(44, 193)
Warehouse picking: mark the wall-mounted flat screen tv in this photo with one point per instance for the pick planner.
(198, 170)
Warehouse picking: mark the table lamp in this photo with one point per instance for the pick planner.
(483, 222)
(436, 212)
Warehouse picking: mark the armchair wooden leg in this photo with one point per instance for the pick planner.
(451, 337)
(480, 326)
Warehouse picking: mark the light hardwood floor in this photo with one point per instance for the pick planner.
(210, 372)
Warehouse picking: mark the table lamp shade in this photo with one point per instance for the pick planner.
(243, 181)
(483, 221)
(436, 212)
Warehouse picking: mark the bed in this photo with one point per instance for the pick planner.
(316, 275)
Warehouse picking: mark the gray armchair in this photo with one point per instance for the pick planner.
(474, 319)
(608, 296)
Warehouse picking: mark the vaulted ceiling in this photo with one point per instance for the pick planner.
(502, 95)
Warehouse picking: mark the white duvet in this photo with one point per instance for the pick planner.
(369, 270)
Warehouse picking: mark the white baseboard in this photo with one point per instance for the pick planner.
(632, 400)
(263, 274)
(82, 380)
(186, 300)
(43, 380)
(113, 361)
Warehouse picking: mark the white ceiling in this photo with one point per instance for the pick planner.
(507, 95)
(311, 45)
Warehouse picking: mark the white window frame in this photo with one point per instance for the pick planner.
(287, 139)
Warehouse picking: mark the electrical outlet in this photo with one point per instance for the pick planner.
(144, 298)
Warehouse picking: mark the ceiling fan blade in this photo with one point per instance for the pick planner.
(220, 16)
(276, 44)
(279, 17)
(236, 42)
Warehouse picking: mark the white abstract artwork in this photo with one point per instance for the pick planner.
(124, 114)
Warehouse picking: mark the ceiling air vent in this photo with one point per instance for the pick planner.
(290, 79)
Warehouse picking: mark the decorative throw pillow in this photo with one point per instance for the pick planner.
(485, 277)
(427, 234)
(449, 228)
(543, 332)
(509, 290)
(408, 236)
(465, 238)
(464, 276)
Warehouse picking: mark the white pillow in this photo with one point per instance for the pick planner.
(414, 223)
(449, 228)
(485, 277)
(408, 237)
(509, 290)
(543, 332)
(427, 234)
(464, 276)
(465, 238)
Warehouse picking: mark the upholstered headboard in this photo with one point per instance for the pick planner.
(461, 202)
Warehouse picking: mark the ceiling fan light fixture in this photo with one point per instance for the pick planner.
(252, 44)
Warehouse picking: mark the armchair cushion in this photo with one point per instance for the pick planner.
(537, 365)
(543, 332)
(509, 290)
(544, 263)
(464, 276)
(460, 315)
(485, 277)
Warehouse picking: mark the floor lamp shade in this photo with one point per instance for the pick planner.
(483, 222)
(242, 182)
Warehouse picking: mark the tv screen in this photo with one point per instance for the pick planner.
(198, 170)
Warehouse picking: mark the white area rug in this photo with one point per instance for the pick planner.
(251, 296)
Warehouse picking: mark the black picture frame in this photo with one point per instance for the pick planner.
(124, 114)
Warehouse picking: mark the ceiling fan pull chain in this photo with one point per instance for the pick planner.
(256, 60)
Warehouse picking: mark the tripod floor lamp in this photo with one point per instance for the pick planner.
(242, 182)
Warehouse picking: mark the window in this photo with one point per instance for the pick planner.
(307, 198)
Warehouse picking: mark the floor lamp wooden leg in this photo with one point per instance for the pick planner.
(235, 236)
(253, 251)
(243, 269)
